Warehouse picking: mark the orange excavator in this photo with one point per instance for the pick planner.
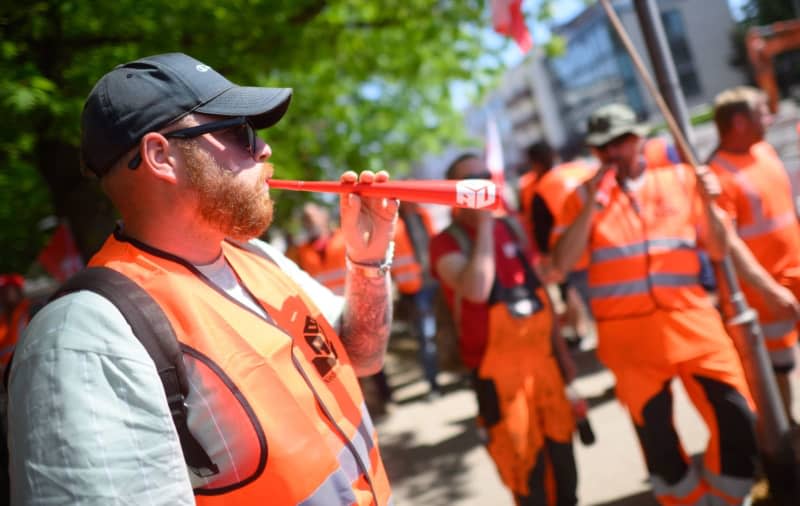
(763, 44)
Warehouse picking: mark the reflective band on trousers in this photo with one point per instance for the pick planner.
(640, 248)
(640, 286)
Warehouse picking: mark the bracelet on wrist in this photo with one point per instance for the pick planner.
(372, 270)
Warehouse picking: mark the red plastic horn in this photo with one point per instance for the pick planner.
(466, 193)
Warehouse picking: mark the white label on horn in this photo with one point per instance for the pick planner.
(475, 193)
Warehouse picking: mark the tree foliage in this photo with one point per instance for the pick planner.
(371, 88)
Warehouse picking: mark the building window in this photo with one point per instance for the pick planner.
(675, 30)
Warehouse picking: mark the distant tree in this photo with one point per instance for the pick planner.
(372, 83)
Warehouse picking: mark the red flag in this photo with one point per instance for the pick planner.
(508, 20)
(60, 257)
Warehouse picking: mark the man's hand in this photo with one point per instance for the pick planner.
(368, 222)
(593, 184)
(707, 183)
(782, 302)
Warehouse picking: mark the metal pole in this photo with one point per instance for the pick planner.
(667, 77)
(773, 425)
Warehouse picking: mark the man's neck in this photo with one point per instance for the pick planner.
(737, 146)
(197, 245)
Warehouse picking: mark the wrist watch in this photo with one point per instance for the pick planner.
(372, 270)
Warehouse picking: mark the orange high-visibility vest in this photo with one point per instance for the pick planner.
(659, 152)
(406, 271)
(643, 248)
(10, 330)
(274, 402)
(326, 266)
(556, 185)
(757, 192)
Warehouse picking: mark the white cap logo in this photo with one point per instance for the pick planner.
(202, 68)
(476, 193)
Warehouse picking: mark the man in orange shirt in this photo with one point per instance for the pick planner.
(756, 193)
(655, 322)
(509, 339)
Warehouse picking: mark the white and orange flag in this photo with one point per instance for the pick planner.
(507, 19)
(494, 151)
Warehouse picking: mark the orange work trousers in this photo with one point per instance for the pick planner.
(521, 397)
(645, 354)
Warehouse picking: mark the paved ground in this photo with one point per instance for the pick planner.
(433, 454)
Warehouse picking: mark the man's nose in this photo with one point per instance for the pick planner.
(263, 151)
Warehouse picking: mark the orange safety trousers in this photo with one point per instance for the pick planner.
(645, 353)
(528, 391)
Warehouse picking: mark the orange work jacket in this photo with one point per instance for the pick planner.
(326, 265)
(10, 330)
(643, 246)
(274, 401)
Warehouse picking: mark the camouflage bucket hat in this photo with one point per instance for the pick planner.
(610, 122)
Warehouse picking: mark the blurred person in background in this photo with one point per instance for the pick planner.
(417, 288)
(509, 338)
(757, 195)
(14, 314)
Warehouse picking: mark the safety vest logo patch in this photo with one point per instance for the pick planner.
(326, 356)
(476, 193)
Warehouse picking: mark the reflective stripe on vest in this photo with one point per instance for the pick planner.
(618, 252)
(406, 271)
(762, 224)
(276, 406)
(642, 286)
(643, 249)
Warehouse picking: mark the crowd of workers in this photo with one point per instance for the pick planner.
(274, 346)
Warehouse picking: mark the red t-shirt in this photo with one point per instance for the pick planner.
(475, 317)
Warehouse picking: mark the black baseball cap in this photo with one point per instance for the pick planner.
(150, 93)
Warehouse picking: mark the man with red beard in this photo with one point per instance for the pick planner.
(273, 393)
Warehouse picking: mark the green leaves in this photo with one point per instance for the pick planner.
(371, 81)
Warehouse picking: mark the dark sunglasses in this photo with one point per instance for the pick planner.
(480, 175)
(244, 133)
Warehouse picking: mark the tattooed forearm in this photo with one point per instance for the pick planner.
(366, 322)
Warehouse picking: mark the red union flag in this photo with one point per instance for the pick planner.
(60, 257)
(508, 20)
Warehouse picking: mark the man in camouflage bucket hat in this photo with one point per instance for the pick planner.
(654, 320)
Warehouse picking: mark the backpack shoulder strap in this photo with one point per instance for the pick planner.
(152, 328)
(458, 233)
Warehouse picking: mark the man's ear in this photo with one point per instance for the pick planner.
(157, 157)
